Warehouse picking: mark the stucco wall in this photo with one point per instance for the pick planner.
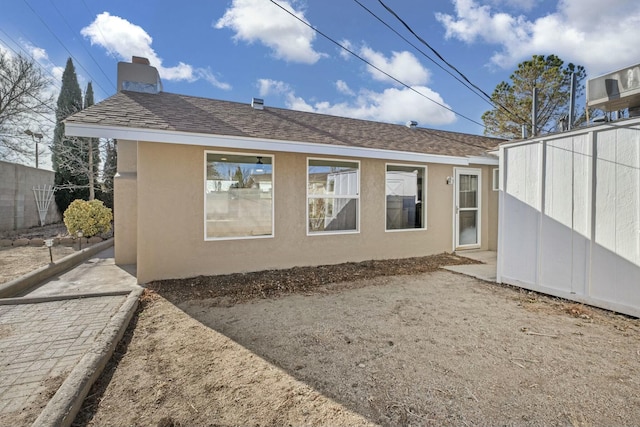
(170, 212)
(18, 207)
(125, 201)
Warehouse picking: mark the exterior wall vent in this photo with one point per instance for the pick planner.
(615, 91)
(257, 104)
(412, 124)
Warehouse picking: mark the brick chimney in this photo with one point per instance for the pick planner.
(138, 76)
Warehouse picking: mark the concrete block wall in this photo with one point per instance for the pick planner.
(18, 207)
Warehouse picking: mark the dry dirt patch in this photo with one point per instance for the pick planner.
(432, 348)
(16, 261)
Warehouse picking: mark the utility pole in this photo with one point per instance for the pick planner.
(572, 102)
(534, 113)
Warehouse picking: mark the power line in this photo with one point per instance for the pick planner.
(83, 46)
(43, 104)
(53, 81)
(63, 45)
(488, 101)
(392, 12)
(375, 67)
(99, 28)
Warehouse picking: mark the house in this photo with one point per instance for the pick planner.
(207, 187)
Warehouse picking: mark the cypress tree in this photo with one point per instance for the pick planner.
(64, 149)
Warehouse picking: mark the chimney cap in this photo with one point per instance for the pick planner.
(139, 60)
(257, 103)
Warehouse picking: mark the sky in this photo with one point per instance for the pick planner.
(239, 49)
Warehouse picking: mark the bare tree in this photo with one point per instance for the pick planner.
(73, 157)
(25, 102)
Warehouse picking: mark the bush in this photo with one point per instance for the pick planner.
(91, 217)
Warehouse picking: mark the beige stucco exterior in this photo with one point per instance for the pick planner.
(159, 209)
(125, 203)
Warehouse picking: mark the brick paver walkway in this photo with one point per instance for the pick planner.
(41, 342)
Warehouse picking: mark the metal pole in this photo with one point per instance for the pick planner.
(534, 113)
(572, 101)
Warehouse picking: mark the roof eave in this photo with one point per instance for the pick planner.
(249, 143)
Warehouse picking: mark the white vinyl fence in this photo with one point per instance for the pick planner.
(570, 215)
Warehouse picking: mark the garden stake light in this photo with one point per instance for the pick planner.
(49, 243)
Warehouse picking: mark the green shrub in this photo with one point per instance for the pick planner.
(91, 217)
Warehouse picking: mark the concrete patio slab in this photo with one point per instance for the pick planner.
(485, 271)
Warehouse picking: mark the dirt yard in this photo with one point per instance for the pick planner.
(16, 261)
(430, 348)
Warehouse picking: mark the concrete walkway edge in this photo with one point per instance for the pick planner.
(66, 403)
(29, 280)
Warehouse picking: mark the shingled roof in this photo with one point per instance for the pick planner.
(173, 112)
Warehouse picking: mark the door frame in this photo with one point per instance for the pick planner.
(456, 209)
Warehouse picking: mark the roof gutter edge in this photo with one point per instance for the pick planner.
(227, 141)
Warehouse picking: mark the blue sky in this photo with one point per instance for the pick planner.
(236, 50)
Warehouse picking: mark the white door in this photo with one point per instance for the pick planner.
(467, 208)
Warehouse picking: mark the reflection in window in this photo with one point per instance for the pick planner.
(404, 190)
(238, 196)
(333, 190)
(468, 191)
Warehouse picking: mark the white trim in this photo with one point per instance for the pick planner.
(624, 123)
(479, 160)
(495, 179)
(273, 196)
(245, 143)
(424, 197)
(456, 233)
(356, 197)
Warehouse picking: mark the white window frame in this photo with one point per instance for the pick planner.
(495, 182)
(456, 223)
(424, 198)
(323, 196)
(273, 195)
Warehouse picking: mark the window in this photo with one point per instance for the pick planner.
(333, 189)
(238, 196)
(496, 180)
(404, 190)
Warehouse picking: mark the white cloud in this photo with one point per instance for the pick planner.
(123, 39)
(38, 53)
(588, 32)
(393, 105)
(404, 66)
(207, 74)
(264, 22)
(343, 53)
(57, 72)
(272, 87)
(344, 88)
